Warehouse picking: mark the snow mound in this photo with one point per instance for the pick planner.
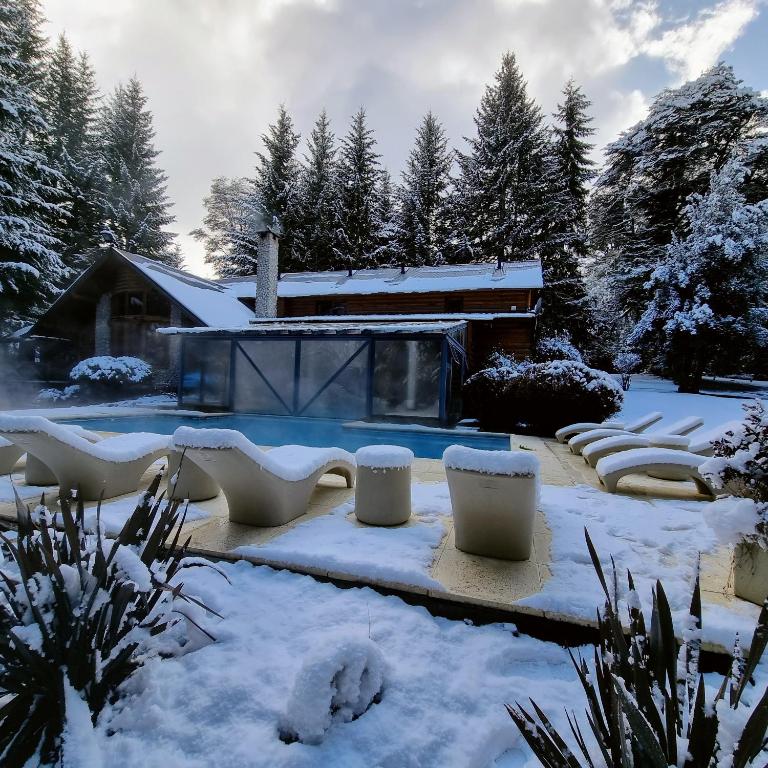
(511, 463)
(337, 683)
(114, 370)
(384, 457)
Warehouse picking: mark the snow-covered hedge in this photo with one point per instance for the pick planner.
(557, 347)
(540, 397)
(111, 371)
(740, 464)
(55, 395)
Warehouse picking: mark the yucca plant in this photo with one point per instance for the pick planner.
(76, 611)
(646, 703)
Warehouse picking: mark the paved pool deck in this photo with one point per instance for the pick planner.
(469, 582)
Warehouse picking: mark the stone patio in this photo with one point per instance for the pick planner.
(468, 580)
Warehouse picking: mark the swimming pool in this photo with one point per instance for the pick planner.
(277, 430)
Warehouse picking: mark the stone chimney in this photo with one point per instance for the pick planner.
(267, 272)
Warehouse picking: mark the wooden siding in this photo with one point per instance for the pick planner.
(411, 303)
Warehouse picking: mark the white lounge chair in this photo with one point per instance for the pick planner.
(9, 456)
(657, 462)
(637, 425)
(38, 473)
(111, 467)
(681, 427)
(701, 445)
(262, 488)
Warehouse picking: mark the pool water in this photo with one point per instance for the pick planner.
(277, 430)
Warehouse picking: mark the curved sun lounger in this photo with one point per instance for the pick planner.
(671, 464)
(38, 473)
(9, 456)
(638, 425)
(680, 427)
(702, 445)
(111, 467)
(262, 488)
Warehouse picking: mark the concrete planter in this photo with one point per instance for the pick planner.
(493, 515)
(750, 572)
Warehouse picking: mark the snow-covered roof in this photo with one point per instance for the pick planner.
(286, 326)
(205, 300)
(450, 277)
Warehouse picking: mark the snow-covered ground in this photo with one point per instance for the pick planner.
(444, 690)
(650, 393)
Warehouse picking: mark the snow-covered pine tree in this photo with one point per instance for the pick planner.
(228, 232)
(501, 202)
(422, 220)
(69, 102)
(709, 305)
(639, 199)
(136, 206)
(565, 310)
(387, 252)
(358, 203)
(30, 265)
(276, 186)
(318, 194)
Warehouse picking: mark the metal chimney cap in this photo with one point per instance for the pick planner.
(266, 224)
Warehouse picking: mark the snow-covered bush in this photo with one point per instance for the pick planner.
(56, 395)
(76, 615)
(626, 363)
(111, 371)
(740, 465)
(646, 700)
(339, 682)
(557, 347)
(540, 397)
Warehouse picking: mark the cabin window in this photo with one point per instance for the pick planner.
(454, 303)
(330, 308)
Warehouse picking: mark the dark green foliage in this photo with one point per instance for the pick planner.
(358, 211)
(566, 309)
(69, 590)
(422, 221)
(276, 184)
(539, 398)
(503, 205)
(136, 206)
(645, 697)
(316, 227)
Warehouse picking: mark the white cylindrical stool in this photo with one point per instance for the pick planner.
(383, 487)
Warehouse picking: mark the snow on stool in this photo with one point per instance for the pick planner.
(494, 495)
(383, 489)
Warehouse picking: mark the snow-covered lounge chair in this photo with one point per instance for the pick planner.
(262, 488)
(9, 456)
(638, 425)
(494, 495)
(681, 427)
(111, 467)
(656, 462)
(38, 473)
(701, 445)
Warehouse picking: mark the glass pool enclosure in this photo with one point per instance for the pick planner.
(386, 370)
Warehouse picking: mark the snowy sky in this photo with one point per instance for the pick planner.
(215, 70)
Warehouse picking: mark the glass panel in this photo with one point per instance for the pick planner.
(275, 359)
(406, 379)
(327, 390)
(205, 372)
(216, 373)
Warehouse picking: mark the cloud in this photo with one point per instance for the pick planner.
(214, 73)
(695, 46)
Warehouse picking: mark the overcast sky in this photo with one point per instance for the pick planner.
(215, 70)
